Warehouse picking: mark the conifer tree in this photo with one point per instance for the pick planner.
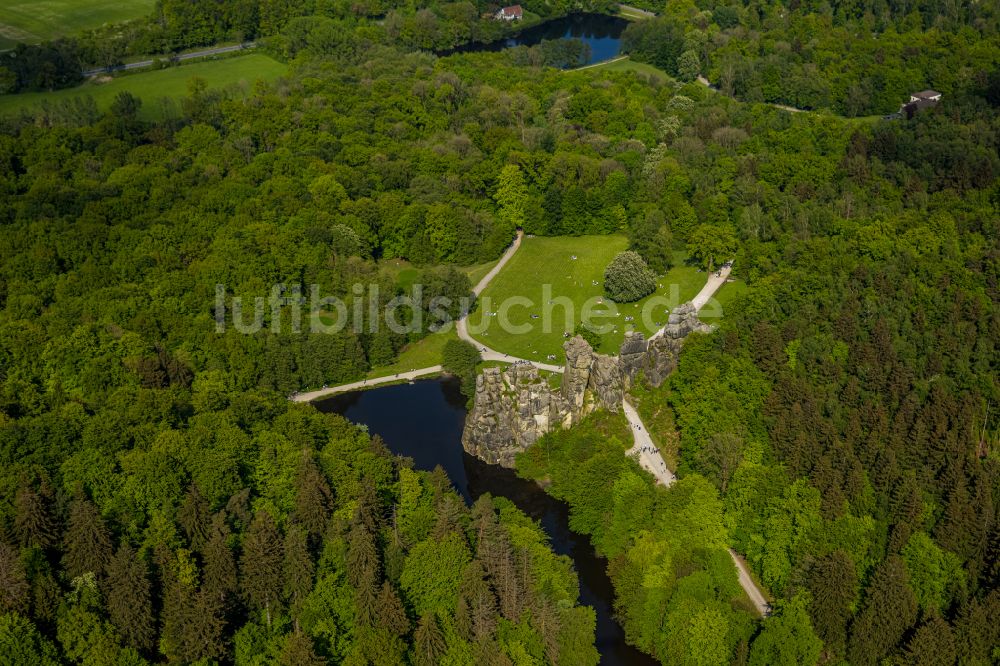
(13, 581)
(299, 651)
(428, 642)
(219, 577)
(34, 524)
(932, 644)
(87, 543)
(313, 497)
(298, 569)
(129, 598)
(833, 582)
(261, 564)
(890, 609)
(390, 611)
(193, 516)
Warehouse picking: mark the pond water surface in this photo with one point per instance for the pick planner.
(602, 33)
(424, 421)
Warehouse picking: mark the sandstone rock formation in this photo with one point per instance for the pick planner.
(515, 406)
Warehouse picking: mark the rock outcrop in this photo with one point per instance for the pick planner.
(515, 406)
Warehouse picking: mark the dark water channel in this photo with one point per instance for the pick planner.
(602, 33)
(424, 421)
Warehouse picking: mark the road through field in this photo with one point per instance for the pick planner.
(218, 50)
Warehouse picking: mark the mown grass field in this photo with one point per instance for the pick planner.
(628, 65)
(423, 353)
(153, 86)
(548, 261)
(23, 21)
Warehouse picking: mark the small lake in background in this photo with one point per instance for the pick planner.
(424, 421)
(602, 33)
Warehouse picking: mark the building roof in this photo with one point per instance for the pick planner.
(926, 94)
(911, 108)
(513, 10)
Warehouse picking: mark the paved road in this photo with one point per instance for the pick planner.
(596, 64)
(645, 450)
(309, 396)
(508, 253)
(746, 582)
(712, 285)
(183, 56)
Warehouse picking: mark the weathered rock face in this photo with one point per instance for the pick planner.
(606, 382)
(515, 406)
(576, 376)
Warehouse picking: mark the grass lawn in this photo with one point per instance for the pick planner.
(405, 273)
(23, 21)
(423, 353)
(543, 270)
(153, 86)
(629, 65)
(631, 14)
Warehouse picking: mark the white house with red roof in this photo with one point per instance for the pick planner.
(512, 13)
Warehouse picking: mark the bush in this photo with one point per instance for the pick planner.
(627, 278)
(460, 359)
(592, 337)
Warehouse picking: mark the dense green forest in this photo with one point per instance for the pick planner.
(855, 58)
(839, 429)
(208, 528)
(280, 26)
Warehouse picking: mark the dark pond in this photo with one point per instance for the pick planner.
(602, 33)
(424, 421)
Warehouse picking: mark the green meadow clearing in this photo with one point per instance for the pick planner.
(153, 86)
(22, 21)
(628, 65)
(543, 270)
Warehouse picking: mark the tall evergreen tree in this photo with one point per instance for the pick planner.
(219, 576)
(34, 523)
(87, 543)
(13, 581)
(261, 564)
(390, 611)
(428, 642)
(890, 609)
(193, 517)
(833, 582)
(932, 644)
(129, 598)
(299, 651)
(313, 497)
(298, 569)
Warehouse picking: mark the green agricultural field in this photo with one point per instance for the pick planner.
(153, 86)
(22, 21)
(548, 261)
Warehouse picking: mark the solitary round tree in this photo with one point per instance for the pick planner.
(627, 278)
